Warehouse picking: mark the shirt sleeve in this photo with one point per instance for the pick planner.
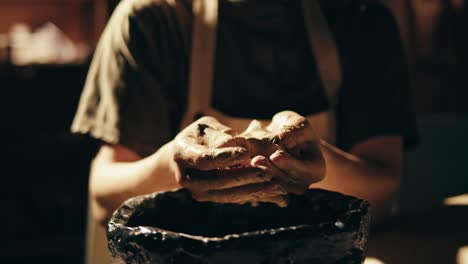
(375, 99)
(123, 101)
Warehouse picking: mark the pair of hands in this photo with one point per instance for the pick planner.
(218, 164)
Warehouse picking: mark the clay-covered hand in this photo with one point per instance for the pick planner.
(298, 162)
(214, 164)
(258, 165)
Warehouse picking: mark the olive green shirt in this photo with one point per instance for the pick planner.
(136, 90)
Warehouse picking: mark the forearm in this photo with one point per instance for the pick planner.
(111, 183)
(363, 178)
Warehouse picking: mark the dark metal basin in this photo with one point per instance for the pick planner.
(318, 227)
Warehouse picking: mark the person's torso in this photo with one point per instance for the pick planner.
(264, 63)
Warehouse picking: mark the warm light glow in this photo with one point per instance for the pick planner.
(371, 260)
(460, 200)
(462, 255)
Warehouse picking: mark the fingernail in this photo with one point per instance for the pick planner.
(258, 161)
(278, 156)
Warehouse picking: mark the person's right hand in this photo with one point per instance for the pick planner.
(215, 166)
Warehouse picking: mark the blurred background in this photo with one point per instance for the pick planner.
(45, 50)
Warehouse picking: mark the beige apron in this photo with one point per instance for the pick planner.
(203, 59)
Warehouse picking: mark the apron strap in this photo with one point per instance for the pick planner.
(205, 22)
(204, 49)
(327, 59)
(324, 47)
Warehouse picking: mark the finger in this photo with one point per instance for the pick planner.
(295, 136)
(203, 158)
(208, 131)
(206, 122)
(241, 194)
(201, 145)
(292, 185)
(284, 120)
(308, 171)
(264, 164)
(223, 179)
(196, 133)
(281, 201)
(292, 129)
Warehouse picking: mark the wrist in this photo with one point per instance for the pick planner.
(163, 169)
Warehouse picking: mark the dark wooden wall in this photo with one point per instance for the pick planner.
(45, 174)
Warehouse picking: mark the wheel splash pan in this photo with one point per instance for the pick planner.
(171, 227)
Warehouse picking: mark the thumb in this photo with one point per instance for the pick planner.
(309, 171)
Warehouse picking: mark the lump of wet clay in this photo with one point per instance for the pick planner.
(208, 148)
(230, 148)
(317, 227)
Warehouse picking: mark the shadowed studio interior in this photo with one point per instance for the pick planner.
(254, 131)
